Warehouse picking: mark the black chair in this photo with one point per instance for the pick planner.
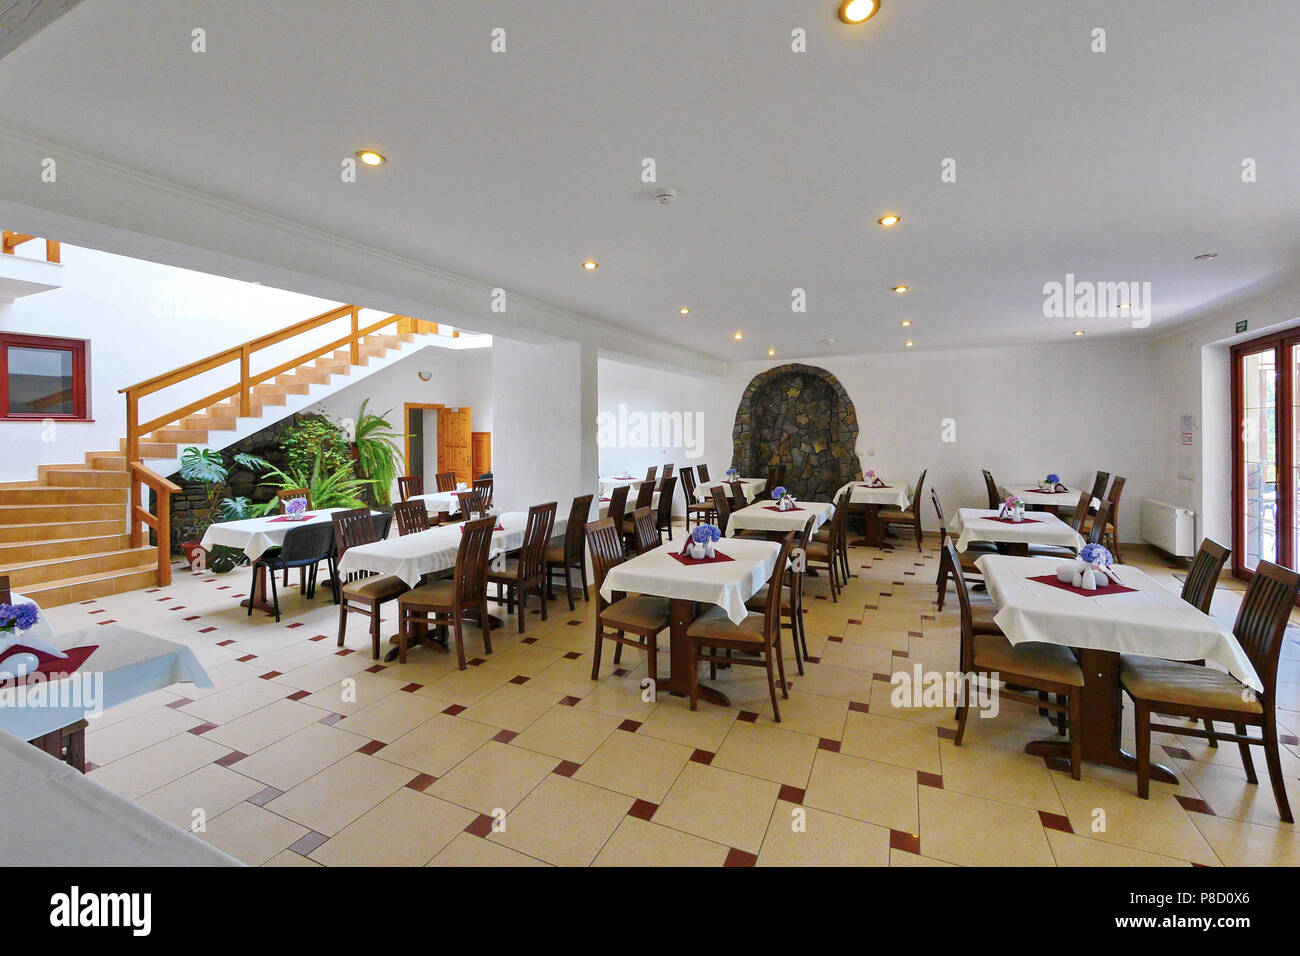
(383, 524)
(304, 547)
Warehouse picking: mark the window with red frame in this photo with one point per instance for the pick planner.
(43, 377)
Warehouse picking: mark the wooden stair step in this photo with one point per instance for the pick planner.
(45, 514)
(193, 436)
(43, 548)
(63, 495)
(83, 476)
(11, 533)
(84, 587)
(24, 575)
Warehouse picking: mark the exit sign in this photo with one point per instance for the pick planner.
(1241, 326)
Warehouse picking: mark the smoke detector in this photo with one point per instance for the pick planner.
(666, 196)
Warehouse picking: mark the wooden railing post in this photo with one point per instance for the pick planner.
(245, 395)
(164, 531)
(355, 354)
(52, 253)
(137, 537)
(132, 427)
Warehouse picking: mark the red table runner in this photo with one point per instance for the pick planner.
(717, 556)
(1099, 592)
(49, 664)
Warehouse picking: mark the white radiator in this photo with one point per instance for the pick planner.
(1169, 527)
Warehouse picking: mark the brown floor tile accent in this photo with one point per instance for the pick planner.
(621, 672)
(231, 758)
(206, 630)
(519, 679)
(411, 688)
(299, 695)
(179, 702)
(929, 779)
(294, 624)
(572, 656)
(330, 719)
(791, 794)
(573, 623)
(813, 660)
(903, 654)
(226, 643)
(1288, 739)
(192, 617)
(825, 743)
(371, 748)
(1178, 753)
(748, 716)
(110, 621)
(344, 652)
(567, 768)
(740, 858)
(570, 701)
(1194, 805)
(1054, 821)
(643, 810)
(915, 634)
(859, 707)
(318, 637)
(453, 709)
(420, 781)
(947, 733)
(851, 621)
(630, 725)
(263, 797)
(269, 674)
(835, 640)
(527, 640)
(102, 610)
(202, 729)
(475, 661)
(505, 736)
(246, 658)
(703, 756)
(178, 607)
(882, 677)
(375, 668)
(907, 842)
(308, 842)
(480, 826)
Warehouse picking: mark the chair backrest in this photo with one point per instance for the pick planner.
(991, 488)
(938, 510)
(307, 541)
(1081, 511)
(667, 473)
(1099, 523)
(722, 505)
(579, 512)
(650, 472)
(471, 502)
(801, 541)
(647, 531)
(664, 517)
(1198, 589)
(606, 546)
(1099, 484)
(532, 556)
(445, 480)
(772, 612)
(351, 528)
(412, 516)
(1263, 617)
(383, 522)
(408, 486)
(285, 495)
(5, 594)
(703, 471)
(737, 494)
(470, 579)
(952, 564)
(840, 521)
(769, 480)
(1116, 489)
(780, 474)
(617, 505)
(917, 495)
(688, 484)
(484, 487)
(645, 494)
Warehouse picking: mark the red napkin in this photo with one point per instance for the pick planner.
(305, 516)
(775, 508)
(604, 499)
(1021, 521)
(1044, 491)
(717, 556)
(1099, 592)
(865, 485)
(48, 663)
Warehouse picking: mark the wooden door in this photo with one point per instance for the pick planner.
(481, 443)
(454, 453)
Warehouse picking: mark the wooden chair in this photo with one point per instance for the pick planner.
(412, 516)
(826, 553)
(1110, 532)
(665, 475)
(703, 471)
(446, 603)
(780, 474)
(526, 574)
(645, 532)
(966, 558)
(570, 552)
(1099, 485)
(664, 513)
(617, 506)
(758, 634)
(410, 486)
(1198, 590)
(471, 503)
(6, 595)
(484, 487)
(645, 494)
(383, 521)
(445, 480)
(791, 595)
(1045, 668)
(907, 516)
(823, 535)
(649, 474)
(364, 593)
(991, 489)
(1180, 689)
(1077, 518)
(701, 511)
(721, 508)
(769, 480)
(640, 615)
(1100, 520)
(304, 547)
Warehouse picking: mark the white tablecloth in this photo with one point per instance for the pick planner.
(728, 584)
(132, 664)
(56, 816)
(607, 485)
(1024, 490)
(760, 517)
(1040, 527)
(440, 501)
(412, 556)
(1152, 621)
(255, 536)
(602, 506)
(895, 496)
(751, 487)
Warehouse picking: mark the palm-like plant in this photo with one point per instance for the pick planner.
(340, 489)
(207, 467)
(377, 452)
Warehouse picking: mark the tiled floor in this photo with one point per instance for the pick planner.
(304, 754)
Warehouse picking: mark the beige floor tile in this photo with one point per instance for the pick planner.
(340, 793)
(721, 806)
(223, 677)
(809, 714)
(639, 842)
(494, 777)
(1002, 775)
(971, 831)
(564, 821)
(763, 750)
(437, 745)
(894, 741)
(1070, 849)
(106, 744)
(133, 707)
(618, 696)
(572, 678)
(290, 761)
(568, 733)
(465, 687)
(704, 728)
(826, 680)
(863, 789)
(885, 704)
(263, 727)
(390, 717)
(870, 660)
(150, 768)
(288, 858)
(407, 828)
(512, 706)
(1225, 789)
(198, 797)
(1238, 843)
(635, 764)
(804, 836)
(860, 635)
(469, 850)
(225, 705)
(353, 692)
(903, 858)
(251, 834)
(525, 659)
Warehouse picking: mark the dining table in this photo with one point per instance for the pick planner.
(1041, 499)
(1141, 616)
(607, 485)
(767, 517)
(750, 486)
(1037, 528)
(871, 498)
(728, 582)
(441, 503)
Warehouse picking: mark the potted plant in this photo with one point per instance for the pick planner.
(338, 489)
(207, 467)
(377, 454)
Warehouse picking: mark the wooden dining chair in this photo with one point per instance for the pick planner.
(1099, 522)
(974, 551)
(1047, 669)
(525, 573)
(645, 533)
(769, 480)
(664, 512)
(6, 595)
(1099, 485)
(640, 615)
(411, 517)
(907, 516)
(484, 488)
(791, 594)
(703, 471)
(645, 494)
(446, 603)
(666, 474)
(364, 593)
(1198, 591)
(617, 509)
(471, 503)
(1181, 689)
(1077, 518)
(651, 472)
(445, 480)
(991, 489)
(1109, 526)
(569, 552)
(823, 534)
(721, 508)
(757, 636)
(701, 511)
(410, 486)
(738, 499)
(825, 552)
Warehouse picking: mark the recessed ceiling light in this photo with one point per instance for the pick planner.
(371, 158)
(1078, 331)
(1207, 255)
(900, 289)
(890, 220)
(738, 336)
(591, 265)
(771, 351)
(907, 344)
(858, 11)
(684, 310)
(906, 323)
(829, 341)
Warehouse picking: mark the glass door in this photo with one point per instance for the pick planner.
(1257, 466)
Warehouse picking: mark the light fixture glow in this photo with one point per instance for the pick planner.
(907, 344)
(858, 11)
(591, 265)
(738, 336)
(1078, 331)
(900, 289)
(371, 158)
(771, 351)
(906, 323)
(684, 310)
(890, 220)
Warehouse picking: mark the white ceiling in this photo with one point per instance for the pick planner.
(512, 168)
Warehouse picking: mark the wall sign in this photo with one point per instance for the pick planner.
(1241, 326)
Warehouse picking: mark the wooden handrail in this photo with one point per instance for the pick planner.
(161, 522)
(9, 241)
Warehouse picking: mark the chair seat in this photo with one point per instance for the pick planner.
(1047, 662)
(435, 595)
(1188, 685)
(699, 506)
(981, 616)
(895, 514)
(377, 587)
(508, 574)
(714, 625)
(818, 550)
(638, 612)
(822, 534)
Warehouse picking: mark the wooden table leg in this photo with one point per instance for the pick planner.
(258, 597)
(680, 615)
(1102, 702)
(871, 529)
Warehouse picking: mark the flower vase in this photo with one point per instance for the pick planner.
(697, 551)
(8, 638)
(708, 550)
